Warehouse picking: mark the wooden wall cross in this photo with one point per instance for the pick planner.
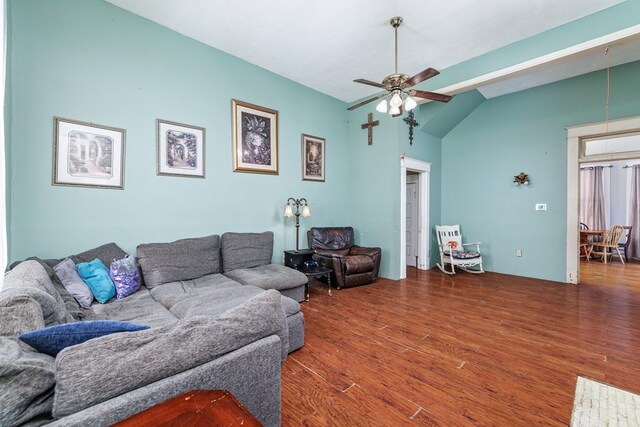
(369, 126)
(412, 123)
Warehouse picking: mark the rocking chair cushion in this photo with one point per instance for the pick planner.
(463, 254)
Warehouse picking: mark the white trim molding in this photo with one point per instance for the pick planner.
(424, 237)
(561, 55)
(575, 135)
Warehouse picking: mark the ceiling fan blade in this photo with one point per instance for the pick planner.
(369, 82)
(400, 113)
(360, 104)
(421, 76)
(430, 95)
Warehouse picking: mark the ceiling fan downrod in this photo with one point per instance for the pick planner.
(395, 23)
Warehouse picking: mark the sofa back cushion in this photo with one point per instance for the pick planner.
(246, 250)
(184, 259)
(106, 253)
(31, 278)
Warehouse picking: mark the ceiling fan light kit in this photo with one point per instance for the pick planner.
(397, 86)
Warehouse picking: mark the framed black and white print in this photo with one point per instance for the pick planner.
(255, 138)
(313, 158)
(180, 149)
(87, 154)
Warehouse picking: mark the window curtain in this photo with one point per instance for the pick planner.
(634, 212)
(3, 196)
(592, 209)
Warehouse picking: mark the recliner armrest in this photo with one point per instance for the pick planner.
(361, 250)
(329, 254)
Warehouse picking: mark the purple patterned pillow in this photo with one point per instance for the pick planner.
(125, 275)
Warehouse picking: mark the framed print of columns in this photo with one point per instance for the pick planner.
(88, 155)
(313, 158)
(180, 149)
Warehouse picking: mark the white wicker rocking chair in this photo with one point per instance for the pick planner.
(452, 251)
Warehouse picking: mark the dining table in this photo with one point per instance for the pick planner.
(590, 236)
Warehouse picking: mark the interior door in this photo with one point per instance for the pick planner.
(412, 223)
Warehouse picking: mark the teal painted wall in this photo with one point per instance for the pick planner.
(374, 183)
(525, 132)
(427, 148)
(91, 61)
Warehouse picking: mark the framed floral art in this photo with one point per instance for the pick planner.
(255, 138)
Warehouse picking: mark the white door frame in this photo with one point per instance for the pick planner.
(412, 227)
(424, 170)
(574, 135)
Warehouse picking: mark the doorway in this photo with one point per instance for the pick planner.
(412, 219)
(419, 172)
(577, 154)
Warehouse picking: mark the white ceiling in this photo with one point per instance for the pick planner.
(327, 44)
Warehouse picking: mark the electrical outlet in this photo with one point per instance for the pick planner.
(541, 206)
(518, 252)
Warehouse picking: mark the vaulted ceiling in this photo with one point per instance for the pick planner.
(327, 44)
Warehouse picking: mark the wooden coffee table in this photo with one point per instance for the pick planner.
(212, 408)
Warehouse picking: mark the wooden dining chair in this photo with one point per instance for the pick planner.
(625, 244)
(608, 244)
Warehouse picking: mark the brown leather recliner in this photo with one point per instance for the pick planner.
(352, 265)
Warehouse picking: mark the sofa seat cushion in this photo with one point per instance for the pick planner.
(139, 307)
(180, 260)
(169, 294)
(355, 264)
(270, 276)
(213, 302)
(141, 358)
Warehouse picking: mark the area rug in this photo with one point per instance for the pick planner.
(598, 404)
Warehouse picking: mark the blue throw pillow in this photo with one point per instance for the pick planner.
(96, 275)
(54, 339)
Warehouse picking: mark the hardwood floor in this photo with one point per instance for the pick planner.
(466, 350)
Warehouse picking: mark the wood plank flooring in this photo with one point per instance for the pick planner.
(466, 350)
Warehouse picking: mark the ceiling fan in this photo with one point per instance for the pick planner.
(397, 86)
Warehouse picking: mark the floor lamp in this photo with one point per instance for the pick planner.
(288, 213)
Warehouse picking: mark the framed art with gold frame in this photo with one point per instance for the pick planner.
(255, 138)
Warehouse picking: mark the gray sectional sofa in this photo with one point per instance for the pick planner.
(207, 331)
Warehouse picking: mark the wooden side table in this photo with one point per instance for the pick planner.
(213, 408)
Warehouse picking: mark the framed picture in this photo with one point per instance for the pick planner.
(87, 155)
(312, 158)
(255, 138)
(180, 149)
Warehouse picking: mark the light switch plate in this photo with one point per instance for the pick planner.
(541, 206)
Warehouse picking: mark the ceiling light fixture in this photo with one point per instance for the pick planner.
(398, 97)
